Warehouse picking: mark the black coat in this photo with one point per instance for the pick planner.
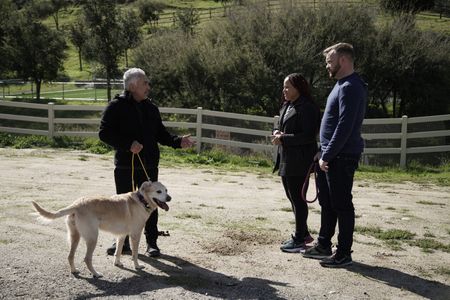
(299, 144)
(125, 120)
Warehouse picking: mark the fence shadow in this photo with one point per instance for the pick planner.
(191, 277)
(426, 288)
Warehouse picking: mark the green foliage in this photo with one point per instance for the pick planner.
(92, 145)
(38, 51)
(149, 10)
(187, 19)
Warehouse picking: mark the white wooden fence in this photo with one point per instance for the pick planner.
(199, 125)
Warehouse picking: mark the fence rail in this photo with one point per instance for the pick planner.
(201, 124)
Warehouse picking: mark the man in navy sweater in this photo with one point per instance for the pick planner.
(341, 147)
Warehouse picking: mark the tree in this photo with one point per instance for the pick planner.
(78, 36)
(7, 15)
(131, 24)
(187, 19)
(38, 51)
(106, 37)
(149, 10)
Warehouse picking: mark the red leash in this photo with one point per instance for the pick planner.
(312, 169)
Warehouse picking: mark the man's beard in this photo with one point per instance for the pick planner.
(334, 71)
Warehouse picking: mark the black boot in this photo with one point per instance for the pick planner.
(125, 249)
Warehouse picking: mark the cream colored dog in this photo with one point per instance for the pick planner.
(122, 215)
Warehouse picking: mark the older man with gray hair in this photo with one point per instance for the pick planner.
(132, 124)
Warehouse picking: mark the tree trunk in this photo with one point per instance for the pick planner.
(394, 104)
(126, 58)
(37, 82)
(108, 85)
(79, 59)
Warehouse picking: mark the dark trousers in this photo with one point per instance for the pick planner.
(335, 199)
(123, 180)
(293, 187)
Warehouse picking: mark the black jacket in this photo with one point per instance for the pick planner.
(125, 120)
(299, 144)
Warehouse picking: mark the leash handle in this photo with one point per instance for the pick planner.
(312, 169)
(133, 187)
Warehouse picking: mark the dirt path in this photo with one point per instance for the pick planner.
(225, 233)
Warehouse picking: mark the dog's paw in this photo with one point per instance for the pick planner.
(139, 267)
(118, 264)
(97, 275)
(75, 271)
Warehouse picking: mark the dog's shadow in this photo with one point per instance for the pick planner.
(184, 274)
(426, 288)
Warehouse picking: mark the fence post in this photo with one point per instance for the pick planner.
(51, 119)
(63, 90)
(403, 141)
(199, 129)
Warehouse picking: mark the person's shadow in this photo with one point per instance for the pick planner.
(182, 273)
(426, 288)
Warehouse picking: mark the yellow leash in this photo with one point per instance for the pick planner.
(133, 187)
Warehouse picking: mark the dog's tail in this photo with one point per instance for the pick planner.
(50, 215)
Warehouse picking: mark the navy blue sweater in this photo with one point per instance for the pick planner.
(340, 130)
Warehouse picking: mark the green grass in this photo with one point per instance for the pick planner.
(430, 245)
(390, 234)
(414, 173)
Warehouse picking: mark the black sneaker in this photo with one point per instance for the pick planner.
(317, 252)
(308, 239)
(125, 249)
(336, 261)
(152, 250)
(292, 246)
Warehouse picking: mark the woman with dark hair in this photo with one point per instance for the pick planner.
(295, 136)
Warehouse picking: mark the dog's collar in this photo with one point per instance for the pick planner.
(142, 200)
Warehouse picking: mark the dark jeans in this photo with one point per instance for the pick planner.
(122, 178)
(335, 198)
(293, 187)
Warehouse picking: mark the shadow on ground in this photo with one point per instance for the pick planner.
(423, 287)
(182, 273)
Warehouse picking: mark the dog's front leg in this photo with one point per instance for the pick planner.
(134, 239)
(119, 245)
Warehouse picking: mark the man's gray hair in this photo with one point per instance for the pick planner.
(131, 76)
(341, 49)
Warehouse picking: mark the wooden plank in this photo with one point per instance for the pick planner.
(237, 144)
(428, 149)
(79, 107)
(76, 121)
(180, 124)
(237, 116)
(428, 119)
(237, 130)
(428, 134)
(382, 151)
(381, 136)
(24, 104)
(23, 118)
(23, 131)
(384, 121)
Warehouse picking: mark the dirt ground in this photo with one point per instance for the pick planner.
(225, 232)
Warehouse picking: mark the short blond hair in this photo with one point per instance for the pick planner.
(341, 49)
